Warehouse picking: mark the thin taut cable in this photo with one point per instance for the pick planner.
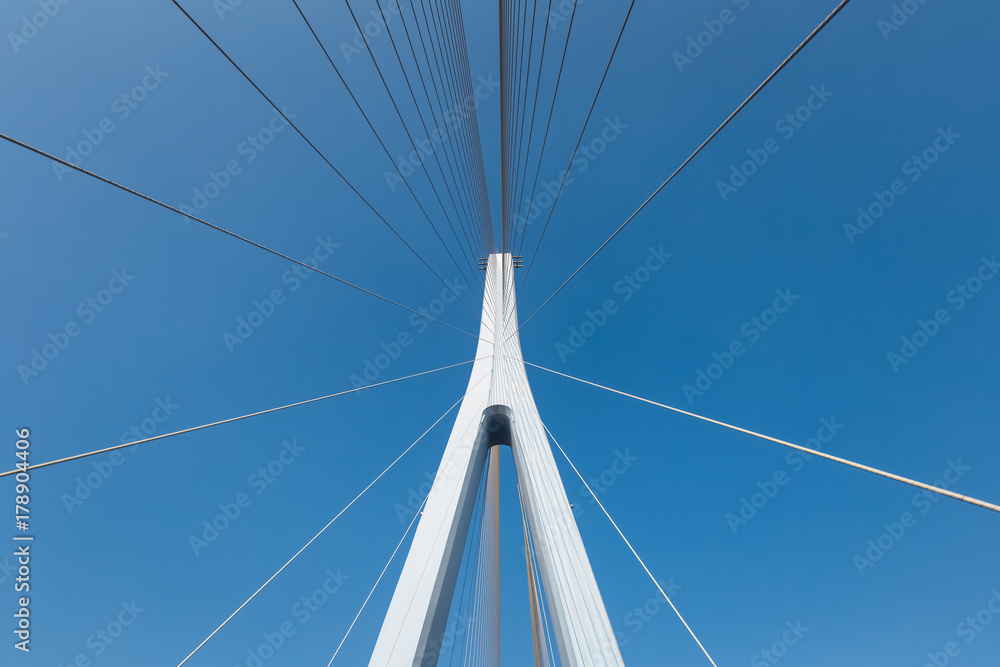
(313, 146)
(322, 530)
(382, 574)
(226, 421)
(629, 545)
(814, 452)
(691, 157)
(217, 228)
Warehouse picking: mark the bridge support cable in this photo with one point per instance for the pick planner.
(473, 123)
(470, 605)
(315, 148)
(519, 189)
(544, 656)
(227, 421)
(468, 204)
(471, 249)
(836, 459)
(377, 581)
(217, 228)
(461, 143)
(579, 139)
(482, 205)
(452, 83)
(514, 115)
(322, 530)
(378, 138)
(548, 121)
(631, 548)
(698, 150)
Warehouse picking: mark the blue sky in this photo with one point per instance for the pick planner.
(158, 346)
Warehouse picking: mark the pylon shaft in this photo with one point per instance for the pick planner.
(498, 409)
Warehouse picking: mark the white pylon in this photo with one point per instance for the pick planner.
(497, 410)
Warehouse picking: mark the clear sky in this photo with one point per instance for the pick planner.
(856, 194)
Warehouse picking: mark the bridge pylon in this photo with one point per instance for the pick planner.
(498, 409)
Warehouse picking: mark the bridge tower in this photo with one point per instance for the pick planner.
(498, 409)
